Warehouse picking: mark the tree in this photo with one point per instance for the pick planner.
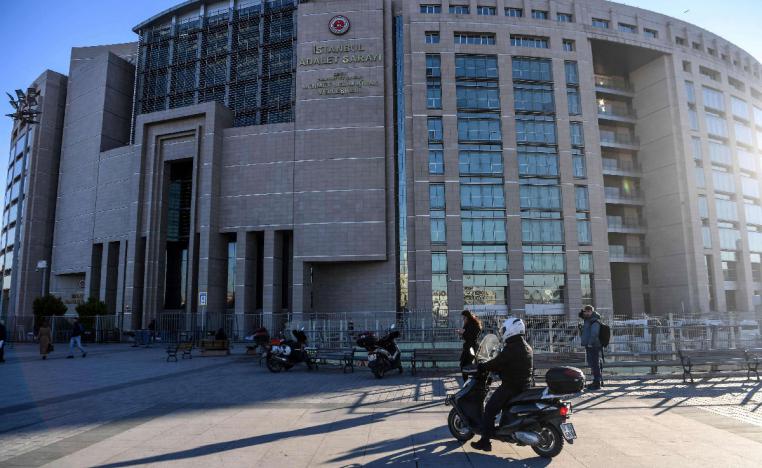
(91, 308)
(48, 306)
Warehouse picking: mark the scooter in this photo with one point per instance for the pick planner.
(284, 354)
(384, 354)
(537, 417)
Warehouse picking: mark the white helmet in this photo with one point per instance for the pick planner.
(512, 326)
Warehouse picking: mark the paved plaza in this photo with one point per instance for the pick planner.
(124, 406)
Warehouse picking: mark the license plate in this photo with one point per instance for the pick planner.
(568, 430)
(371, 357)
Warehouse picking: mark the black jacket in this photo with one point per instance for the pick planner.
(470, 334)
(2, 332)
(514, 363)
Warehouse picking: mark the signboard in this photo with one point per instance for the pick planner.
(202, 298)
(339, 25)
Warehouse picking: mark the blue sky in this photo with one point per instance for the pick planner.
(36, 35)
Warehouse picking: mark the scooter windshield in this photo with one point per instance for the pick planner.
(488, 348)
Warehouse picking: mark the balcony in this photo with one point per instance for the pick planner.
(626, 225)
(613, 85)
(618, 196)
(628, 254)
(615, 111)
(619, 140)
(621, 168)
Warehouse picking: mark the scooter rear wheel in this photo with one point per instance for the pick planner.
(274, 365)
(459, 428)
(378, 374)
(551, 442)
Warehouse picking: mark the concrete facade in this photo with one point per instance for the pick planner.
(367, 190)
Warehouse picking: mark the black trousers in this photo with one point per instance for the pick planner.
(466, 359)
(499, 398)
(2, 353)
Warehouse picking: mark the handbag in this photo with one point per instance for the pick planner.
(50, 347)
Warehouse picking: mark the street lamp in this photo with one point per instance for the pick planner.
(24, 106)
(42, 266)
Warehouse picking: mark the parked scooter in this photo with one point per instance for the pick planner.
(384, 354)
(284, 354)
(537, 417)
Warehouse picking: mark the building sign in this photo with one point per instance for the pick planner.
(339, 25)
(202, 298)
(340, 83)
(340, 54)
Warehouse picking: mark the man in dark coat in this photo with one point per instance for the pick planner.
(514, 364)
(2, 342)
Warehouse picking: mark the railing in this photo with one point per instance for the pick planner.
(619, 222)
(615, 109)
(622, 251)
(612, 82)
(619, 139)
(616, 193)
(616, 165)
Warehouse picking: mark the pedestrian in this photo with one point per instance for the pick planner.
(514, 364)
(2, 341)
(591, 330)
(46, 340)
(76, 339)
(472, 327)
(152, 331)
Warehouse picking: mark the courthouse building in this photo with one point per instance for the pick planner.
(386, 155)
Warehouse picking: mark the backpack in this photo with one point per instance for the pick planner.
(604, 334)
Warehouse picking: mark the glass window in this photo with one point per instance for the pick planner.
(571, 72)
(651, 33)
(475, 38)
(743, 134)
(568, 45)
(729, 268)
(535, 129)
(719, 153)
(693, 119)
(758, 116)
(544, 289)
(578, 163)
(435, 129)
(544, 259)
(564, 17)
(439, 263)
(231, 275)
(581, 197)
(573, 100)
(540, 14)
(432, 37)
(484, 193)
(577, 134)
(480, 159)
(540, 197)
(706, 237)
(753, 214)
(600, 23)
(703, 207)
(478, 95)
(755, 241)
(458, 9)
(476, 66)
(746, 160)
(696, 148)
(739, 107)
(439, 293)
(535, 42)
(628, 28)
(486, 10)
(436, 196)
(533, 97)
(487, 226)
(756, 267)
(479, 127)
(723, 181)
(727, 210)
(690, 92)
(485, 259)
(438, 228)
(716, 124)
(749, 187)
(532, 69)
(700, 177)
(729, 238)
(485, 289)
(431, 9)
(514, 12)
(713, 99)
(433, 81)
(436, 159)
(586, 262)
(537, 161)
(542, 231)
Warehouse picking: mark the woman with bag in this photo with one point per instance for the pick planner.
(46, 340)
(470, 332)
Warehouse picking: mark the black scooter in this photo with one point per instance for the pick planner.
(284, 354)
(384, 354)
(538, 417)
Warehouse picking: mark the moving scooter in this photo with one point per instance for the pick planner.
(537, 417)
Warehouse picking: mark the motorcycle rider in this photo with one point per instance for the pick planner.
(514, 364)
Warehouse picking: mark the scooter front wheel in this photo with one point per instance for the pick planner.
(459, 428)
(551, 442)
(378, 374)
(274, 365)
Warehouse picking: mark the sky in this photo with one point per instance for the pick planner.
(39, 34)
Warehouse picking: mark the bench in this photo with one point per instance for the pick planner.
(215, 347)
(717, 357)
(434, 356)
(184, 348)
(344, 356)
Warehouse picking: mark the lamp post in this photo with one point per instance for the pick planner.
(42, 266)
(25, 112)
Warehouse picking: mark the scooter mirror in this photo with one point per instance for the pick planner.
(393, 326)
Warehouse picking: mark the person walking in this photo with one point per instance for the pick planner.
(46, 339)
(2, 341)
(76, 339)
(591, 329)
(472, 328)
